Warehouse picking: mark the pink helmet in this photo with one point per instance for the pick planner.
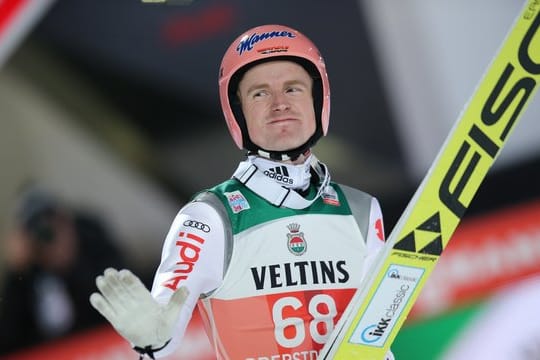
(263, 43)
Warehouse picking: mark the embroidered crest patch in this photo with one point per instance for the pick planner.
(295, 240)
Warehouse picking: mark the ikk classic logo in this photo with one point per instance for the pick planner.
(398, 285)
(295, 240)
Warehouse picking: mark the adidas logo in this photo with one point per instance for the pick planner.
(280, 174)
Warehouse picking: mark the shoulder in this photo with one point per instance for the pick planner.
(364, 207)
(356, 198)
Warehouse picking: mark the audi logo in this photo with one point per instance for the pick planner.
(197, 225)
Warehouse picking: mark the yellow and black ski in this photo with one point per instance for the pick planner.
(378, 310)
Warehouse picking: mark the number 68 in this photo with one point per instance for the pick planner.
(319, 335)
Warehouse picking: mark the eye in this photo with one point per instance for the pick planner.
(295, 89)
(259, 94)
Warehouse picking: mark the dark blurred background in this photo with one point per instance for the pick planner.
(113, 105)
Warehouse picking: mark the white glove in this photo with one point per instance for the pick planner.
(130, 308)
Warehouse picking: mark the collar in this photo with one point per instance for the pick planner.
(296, 177)
(276, 181)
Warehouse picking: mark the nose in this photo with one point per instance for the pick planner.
(280, 102)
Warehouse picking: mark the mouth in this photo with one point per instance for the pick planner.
(281, 120)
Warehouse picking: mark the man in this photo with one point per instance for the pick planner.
(52, 254)
(273, 255)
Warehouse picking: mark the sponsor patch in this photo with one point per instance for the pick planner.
(237, 201)
(330, 196)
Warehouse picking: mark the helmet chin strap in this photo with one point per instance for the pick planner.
(279, 156)
(287, 155)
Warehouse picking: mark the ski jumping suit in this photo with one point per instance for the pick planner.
(272, 280)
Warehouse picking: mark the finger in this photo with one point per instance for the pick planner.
(110, 292)
(112, 278)
(135, 286)
(103, 307)
(177, 300)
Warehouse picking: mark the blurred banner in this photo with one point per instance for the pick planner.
(485, 254)
(105, 344)
(481, 300)
(17, 17)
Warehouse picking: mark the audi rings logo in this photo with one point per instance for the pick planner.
(197, 225)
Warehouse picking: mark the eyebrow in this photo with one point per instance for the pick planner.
(265, 85)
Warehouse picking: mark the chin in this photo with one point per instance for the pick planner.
(286, 148)
(284, 145)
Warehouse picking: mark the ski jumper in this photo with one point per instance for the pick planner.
(274, 280)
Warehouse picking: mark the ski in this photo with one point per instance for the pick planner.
(378, 310)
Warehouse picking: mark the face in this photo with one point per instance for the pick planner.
(59, 253)
(277, 104)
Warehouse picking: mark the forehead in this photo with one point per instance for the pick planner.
(277, 70)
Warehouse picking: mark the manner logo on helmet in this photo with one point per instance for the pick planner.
(295, 240)
(247, 42)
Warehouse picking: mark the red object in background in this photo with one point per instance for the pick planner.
(17, 17)
(198, 26)
(9, 11)
(103, 343)
(485, 254)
